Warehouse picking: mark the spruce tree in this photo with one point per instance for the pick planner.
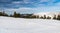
(15, 14)
(54, 17)
(41, 17)
(58, 18)
(48, 17)
(44, 16)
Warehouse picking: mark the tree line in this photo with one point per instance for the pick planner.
(18, 15)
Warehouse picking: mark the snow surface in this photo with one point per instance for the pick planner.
(21, 25)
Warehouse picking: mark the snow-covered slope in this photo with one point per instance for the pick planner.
(20, 25)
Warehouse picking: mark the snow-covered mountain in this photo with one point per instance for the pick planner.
(20, 25)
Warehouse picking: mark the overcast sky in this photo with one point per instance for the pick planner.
(30, 6)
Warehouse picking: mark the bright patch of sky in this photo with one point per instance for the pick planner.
(29, 6)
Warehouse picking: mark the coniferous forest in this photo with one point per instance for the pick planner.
(18, 15)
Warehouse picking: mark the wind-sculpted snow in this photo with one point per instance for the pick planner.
(20, 25)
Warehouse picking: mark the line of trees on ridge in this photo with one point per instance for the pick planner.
(18, 15)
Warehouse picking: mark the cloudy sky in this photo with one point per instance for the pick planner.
(30, 6)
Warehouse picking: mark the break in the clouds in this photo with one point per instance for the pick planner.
(30, 5)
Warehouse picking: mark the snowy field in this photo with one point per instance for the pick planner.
(20, 25)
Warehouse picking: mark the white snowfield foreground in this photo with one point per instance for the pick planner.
(20, 25)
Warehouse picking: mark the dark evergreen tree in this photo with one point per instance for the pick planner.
(54, 17)
(37, 16)
(58, 18)
(48, 17)
(33, 16)
(41, 17)
(16, 14)
(1, 14)
(44, 16)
